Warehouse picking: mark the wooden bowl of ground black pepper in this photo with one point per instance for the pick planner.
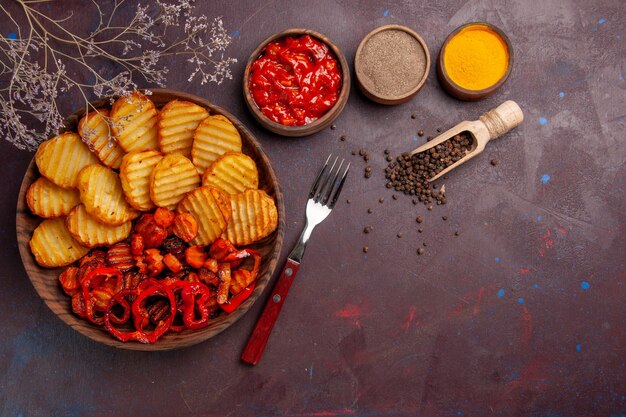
(391, 64)
(314, 126)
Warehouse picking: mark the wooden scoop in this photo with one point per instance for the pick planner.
(490, 125)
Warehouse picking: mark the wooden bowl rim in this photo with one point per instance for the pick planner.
(463, 93)
(318, 124)
(96, 333)
(400, 98)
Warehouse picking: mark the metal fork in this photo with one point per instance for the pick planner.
(322, 198)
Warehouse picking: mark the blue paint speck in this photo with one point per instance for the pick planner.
(386, 13)
(235, 34)
(520, 300)
(459, 413)
(621, 78)
(584, 285)
(578, 348)
(561, 94)
(538, 218)
(12, 35)
(543, 121)
(545, 178)
(501, 293)
(497, 259)
(535, 285)
(601, 21)
(414, 138)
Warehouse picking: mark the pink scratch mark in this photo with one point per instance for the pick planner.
(527, 326)
(350, 311)
(409, 320)
(546, 242)
(524, 271)
(563, 230)
(473, 301)
(476, 308)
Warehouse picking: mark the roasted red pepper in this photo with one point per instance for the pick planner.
(101, 276)
(141, 317)
(192, 304)
(121, 299)
(296, 80)
(235, 301)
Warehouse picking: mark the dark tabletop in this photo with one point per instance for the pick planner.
(522, 313)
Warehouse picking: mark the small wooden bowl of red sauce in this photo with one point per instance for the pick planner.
(296, 82)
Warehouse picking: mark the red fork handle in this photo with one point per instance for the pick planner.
(263, 328)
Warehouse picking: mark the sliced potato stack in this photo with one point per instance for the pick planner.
(178, 121)
(212, 210)
(53, 246)
(135, 175)
(101, 193)
(45, 199)
(134, 121)
(172, 178)
(90, 232)
(96, 132)
(254, 216)
(60, 159)
(215, 136)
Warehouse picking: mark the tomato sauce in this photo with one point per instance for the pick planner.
(296, 80)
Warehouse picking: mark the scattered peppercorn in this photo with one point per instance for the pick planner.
(367, 229)
(420, 230)
(342, 138)
(353, 152)
(381, 200)
(399, 234)
(365, 249)
(409, 174)
(444, 218)
(420, 251)
(348, 201)
(420, 133)
(438, 130)
(413, 116)
(333, 127)
(425, 244)
(456, 233)
(419, 219)
(494, 162)
(395, 197)
(369, 210)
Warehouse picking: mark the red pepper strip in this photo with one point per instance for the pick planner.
(141, 317)
(177, 288)
(120, 298)
(236, 301)
(191, 303)
(236, 257)
(95, 278)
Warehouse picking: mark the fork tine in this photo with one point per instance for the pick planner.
(329, 191)
(324, 182)
(317, 179)
(343, 180)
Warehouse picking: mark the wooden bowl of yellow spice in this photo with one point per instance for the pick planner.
(474, 61)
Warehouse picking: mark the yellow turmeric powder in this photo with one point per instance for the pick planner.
(476, 58)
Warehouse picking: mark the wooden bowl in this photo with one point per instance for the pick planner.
(364, 84)
(456, 90)
(45, 280)
(309, 128)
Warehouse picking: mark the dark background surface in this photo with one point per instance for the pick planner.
(524, 313)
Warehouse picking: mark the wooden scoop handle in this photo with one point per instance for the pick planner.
(502, 119)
